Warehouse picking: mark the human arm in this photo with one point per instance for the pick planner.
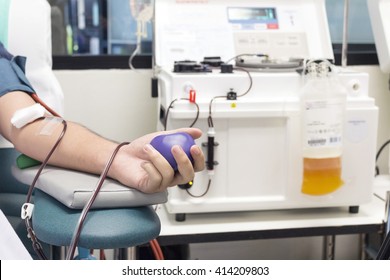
(136, 165)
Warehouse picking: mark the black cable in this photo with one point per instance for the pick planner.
(210, 118)
(246, 54)
(250, 80)
(378, 154)
(381, 149)
(171, 106)
(166, 114)
(203, 194)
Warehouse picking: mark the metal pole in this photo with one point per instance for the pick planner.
(329, 247)
(344, 52)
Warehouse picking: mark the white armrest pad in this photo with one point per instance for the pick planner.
(74, 189)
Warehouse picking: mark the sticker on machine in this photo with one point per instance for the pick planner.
(356, 130)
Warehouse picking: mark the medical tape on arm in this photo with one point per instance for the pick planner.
(27, 115)
(49, 125)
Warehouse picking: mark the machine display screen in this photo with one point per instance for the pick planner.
(256, 15)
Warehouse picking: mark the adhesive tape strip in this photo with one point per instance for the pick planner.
(27, 115)
(49, 125)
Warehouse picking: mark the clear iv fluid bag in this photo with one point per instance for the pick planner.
(323, 113)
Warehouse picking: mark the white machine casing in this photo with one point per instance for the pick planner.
(379, 11)
(259, 152)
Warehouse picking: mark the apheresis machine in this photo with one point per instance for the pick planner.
(283, 128)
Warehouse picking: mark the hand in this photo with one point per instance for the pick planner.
(140, 166)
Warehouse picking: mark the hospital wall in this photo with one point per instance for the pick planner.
(118, 105)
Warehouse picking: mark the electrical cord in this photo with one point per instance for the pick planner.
(378, 154)
(210, 119)
(246, 54)
(171, 106)
(201, 195)
(250, 80)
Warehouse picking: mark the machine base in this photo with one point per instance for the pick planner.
(181, 217)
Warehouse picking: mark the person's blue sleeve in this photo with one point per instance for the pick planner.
(12, 73)
(4, 53)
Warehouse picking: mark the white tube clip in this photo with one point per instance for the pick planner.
(27, 210)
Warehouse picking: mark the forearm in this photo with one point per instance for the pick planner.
(79, 149)
(137, 165)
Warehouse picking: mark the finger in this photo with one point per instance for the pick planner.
(184, 164)
(161, 164)
(198, 157)
(152, 182)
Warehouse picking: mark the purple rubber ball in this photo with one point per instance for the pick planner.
(164, 143)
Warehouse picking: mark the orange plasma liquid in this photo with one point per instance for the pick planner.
(321, 175)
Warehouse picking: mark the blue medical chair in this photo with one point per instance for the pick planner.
(120, 218)
(12, 196)
(116, 228)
